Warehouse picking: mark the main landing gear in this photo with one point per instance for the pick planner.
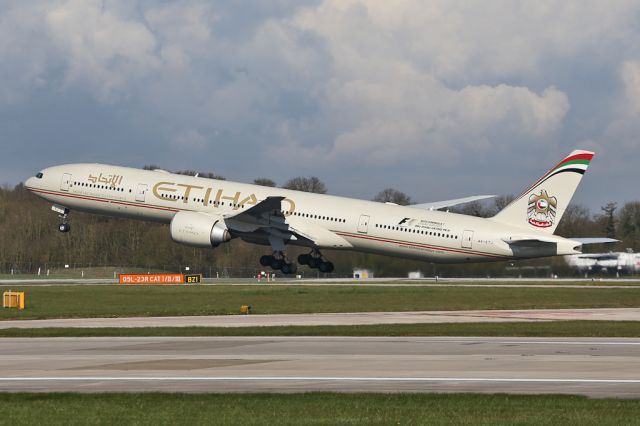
(63, 214)
(278, 262)
(315, 261)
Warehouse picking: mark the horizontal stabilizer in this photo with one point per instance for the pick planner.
(529, 242)
(595, 240)
(448, 203)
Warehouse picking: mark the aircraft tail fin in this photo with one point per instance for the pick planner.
(541, 206)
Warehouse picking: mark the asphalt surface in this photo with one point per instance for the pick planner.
(588, 366)
(348, 318)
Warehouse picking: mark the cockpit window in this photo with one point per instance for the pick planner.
(39, 175)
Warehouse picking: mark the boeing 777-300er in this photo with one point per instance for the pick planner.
(208, 212)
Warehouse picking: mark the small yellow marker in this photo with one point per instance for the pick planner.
(245, 309)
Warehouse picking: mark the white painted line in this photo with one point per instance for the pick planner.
(533, 342)
(319, 379)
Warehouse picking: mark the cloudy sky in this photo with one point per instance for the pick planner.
(441, 99)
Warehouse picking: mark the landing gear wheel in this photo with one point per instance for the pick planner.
(326, 267)
(314, 262)
(64, 227)
(267, 260)
(303, 259)
(277, 264)
(289, 268)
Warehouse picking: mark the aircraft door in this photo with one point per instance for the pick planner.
(141, 192)
(467, 239)
(363, 224)
(66, 182)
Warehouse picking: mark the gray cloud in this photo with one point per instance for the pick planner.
(440, 99)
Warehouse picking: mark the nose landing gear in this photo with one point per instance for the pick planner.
(63, 214)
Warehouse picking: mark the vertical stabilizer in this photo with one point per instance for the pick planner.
(541, 206)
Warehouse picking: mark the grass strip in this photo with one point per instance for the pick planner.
(512, 329)
(78, 301)
(313, 409)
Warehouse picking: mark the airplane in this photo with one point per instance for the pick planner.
(208, 212)
(613, 262)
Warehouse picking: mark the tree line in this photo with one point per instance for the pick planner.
(28, 231)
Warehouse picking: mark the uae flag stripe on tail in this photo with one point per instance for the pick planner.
(574, 163)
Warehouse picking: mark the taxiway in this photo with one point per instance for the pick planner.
(346, 318)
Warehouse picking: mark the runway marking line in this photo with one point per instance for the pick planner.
(322, 379)
(533, 342)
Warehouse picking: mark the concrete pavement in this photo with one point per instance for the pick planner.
(588, 366)
(349, 318)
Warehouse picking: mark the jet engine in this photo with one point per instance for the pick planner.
(199, 229)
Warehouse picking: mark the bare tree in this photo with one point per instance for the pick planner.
(473, 208)
(150, 167)
(609, 212)
(264, 182)
(629, 229)
(576, 222)
(208, 175)
(390, 195)
(306, 184)
(502, 201)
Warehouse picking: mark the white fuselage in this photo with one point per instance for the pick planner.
(351, 224)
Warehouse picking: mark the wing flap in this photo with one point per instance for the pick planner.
(321, 237)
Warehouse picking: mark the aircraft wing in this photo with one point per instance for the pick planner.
(448, 203)
(265, 221)
(269, 205)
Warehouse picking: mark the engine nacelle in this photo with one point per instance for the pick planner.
(199, 229)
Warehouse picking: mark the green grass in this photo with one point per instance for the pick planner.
(74, 301)
(516, 329)
(78, 273)
(314, 409)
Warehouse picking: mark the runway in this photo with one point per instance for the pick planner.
(347, 318)
(594, 367)
(590, 283)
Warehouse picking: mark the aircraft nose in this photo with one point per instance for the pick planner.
(30, 183)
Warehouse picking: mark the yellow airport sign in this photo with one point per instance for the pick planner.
(153, 279)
